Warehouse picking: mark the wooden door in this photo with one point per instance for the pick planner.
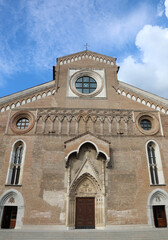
(159, 216)
(85, 212)
(9, 217)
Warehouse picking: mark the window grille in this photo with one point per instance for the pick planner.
(86, 85)
(146, 124)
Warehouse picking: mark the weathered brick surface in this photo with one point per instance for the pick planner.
(44, 176)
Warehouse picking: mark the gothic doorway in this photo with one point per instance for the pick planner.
(9, 217)
(11, 209)
(159, 216)
(85, 213)
(86, 185)
(158, 208)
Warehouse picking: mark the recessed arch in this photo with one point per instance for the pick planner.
(86, 183)
(86, 186)
(79, 147)
(158, 199)
(10, 199)
(85, 176)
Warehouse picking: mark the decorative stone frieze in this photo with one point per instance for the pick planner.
(98, 122)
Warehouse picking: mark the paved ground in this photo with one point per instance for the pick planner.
(112, 233)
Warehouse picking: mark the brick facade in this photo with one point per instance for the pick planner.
(83, 146)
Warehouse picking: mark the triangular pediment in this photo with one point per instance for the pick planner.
(88, 169)
(89, 55)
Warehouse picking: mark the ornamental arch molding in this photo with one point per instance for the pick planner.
(157, 197)
(13, 198)
(86, 170)
(73, 146)
(86, 186)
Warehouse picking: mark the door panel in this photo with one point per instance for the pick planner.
(159, 216)
(13, 217)
(85, 213)
(9, 217)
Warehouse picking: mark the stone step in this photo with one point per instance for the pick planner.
(147, 234)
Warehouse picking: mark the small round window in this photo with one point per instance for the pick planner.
(22, 123)
(145, 124)
(85, 85)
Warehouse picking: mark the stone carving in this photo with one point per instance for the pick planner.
(157, 199)
(87, 154)
(11, 200)
(96, 119)
(86, 187)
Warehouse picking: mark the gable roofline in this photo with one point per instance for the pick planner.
(85, 52)
(143, 93)
(87, 55)
(27, 92)
(143, 97)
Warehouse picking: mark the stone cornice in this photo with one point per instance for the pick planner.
(87, 55)
(151, 100)
(26, 92)
(27, 96)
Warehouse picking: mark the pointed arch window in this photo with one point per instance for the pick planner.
(16, 163)
(155, 164)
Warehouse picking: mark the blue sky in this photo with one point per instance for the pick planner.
(33, 33)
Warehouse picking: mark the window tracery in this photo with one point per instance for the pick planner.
(16, 162)
(154, 164)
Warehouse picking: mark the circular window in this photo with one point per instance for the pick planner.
(22, 122)
(146, 124)
(86, 85)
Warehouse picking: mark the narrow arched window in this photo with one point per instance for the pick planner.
(16, 164)
(155, 164)
(152, 163)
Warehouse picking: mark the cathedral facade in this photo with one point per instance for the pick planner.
(84, 150)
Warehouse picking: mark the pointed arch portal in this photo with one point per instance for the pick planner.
(85, 203)
(85, 206)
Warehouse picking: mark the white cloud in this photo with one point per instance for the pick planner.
(120, 31)
(35, 32)
(151, 72)
(160, 8)
(166, 8)
(60, 28)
